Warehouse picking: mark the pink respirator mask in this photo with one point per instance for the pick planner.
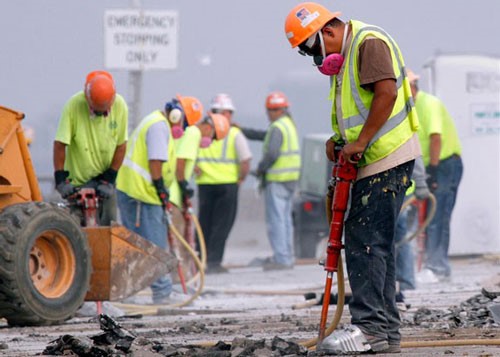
(330, 65)
(177, 131)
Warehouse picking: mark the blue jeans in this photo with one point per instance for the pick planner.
(279, 224)
(405, 263)
(152, 226)
(370, 254)
(437, 243)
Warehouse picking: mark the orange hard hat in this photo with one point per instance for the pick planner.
(304, 20)
(100, 90)
(192, 107)
(276, 100)
(220, 124)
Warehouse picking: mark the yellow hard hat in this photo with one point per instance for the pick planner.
(304, 20)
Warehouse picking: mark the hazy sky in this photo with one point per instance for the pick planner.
(233, 46)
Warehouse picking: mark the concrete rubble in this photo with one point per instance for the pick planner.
(117, 341)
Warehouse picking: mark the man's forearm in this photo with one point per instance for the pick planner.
(244, 169)
(180, 169)
(59, 155)
(434, 149)
(118, 157)
(254, 134)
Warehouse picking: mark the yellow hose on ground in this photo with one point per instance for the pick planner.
(428, 219)
(154, 309)
(203, 248)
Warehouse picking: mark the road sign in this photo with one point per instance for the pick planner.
(136, 39)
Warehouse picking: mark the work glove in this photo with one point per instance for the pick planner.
(187, 191)
(106, 183)
(432, 177)
(63, 186)
(422, 192)
(105, 189)
(162, 192)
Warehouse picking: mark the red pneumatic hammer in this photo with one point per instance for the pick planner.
(343, 174)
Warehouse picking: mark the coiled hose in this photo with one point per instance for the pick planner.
(199, 276)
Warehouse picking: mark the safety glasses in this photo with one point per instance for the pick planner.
(311, 46)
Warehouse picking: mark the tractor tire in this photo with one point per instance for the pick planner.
(45, 264)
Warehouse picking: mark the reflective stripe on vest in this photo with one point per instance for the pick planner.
(356, 117)
(134, 177)
(287, 165)
(219, 162)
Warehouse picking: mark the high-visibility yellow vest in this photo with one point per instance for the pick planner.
(219, 162)
(287, 166)
(134, 177)
(356, 101)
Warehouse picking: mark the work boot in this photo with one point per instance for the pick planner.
(393, 348)
(351, 340)
(216, 269)
(276, 266)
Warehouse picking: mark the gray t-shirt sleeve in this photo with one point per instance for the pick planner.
(271, 151)
(419, 173)
(157, 139)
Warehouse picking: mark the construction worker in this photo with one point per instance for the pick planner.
(441, 151)
(221, 168)
(372, 117)
(148, 170)
(279, 171)
(91, 141)
(197, 135)
(405, 261)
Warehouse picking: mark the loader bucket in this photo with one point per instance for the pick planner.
(123, 262)
(18, 183)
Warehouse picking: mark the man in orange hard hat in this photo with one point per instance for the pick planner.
(278, 170)
(91, 141)
(147, 173)
(373, 115)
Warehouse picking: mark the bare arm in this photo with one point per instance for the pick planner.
(180, 169)
(435, 149)
(59, 155)
(155, 169)
(118, 157)
(384, 98)
(244, 169)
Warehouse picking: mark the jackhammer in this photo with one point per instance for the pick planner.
(343, 174)
(85, 203)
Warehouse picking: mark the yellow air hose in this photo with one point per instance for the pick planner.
(200, 275)
(428, 219)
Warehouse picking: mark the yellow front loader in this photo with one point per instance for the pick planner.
(49, 264)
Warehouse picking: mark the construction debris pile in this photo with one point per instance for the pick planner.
(117, 341)
(481, 310)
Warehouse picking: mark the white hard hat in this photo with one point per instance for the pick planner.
(222, 101)
(412, 76)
